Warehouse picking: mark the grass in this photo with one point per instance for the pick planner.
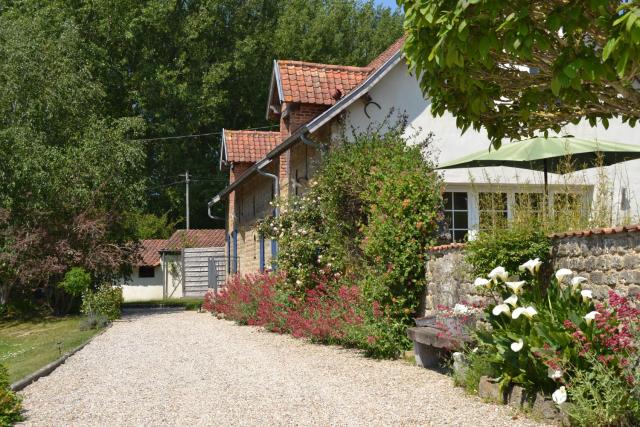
(26, 346)
(187, 303)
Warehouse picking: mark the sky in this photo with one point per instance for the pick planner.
(389, 3)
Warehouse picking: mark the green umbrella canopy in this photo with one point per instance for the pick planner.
(549, 154)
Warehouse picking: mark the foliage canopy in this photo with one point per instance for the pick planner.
(520, 67)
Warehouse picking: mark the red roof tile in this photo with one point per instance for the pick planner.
(249, 145)
(387, 54)
(205, 238)
(447, 247)
(150, 252)
(596, 231)
(309, 83)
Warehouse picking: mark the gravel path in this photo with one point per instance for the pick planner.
(185, 368)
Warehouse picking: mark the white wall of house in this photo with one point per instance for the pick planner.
(398, 92)
(143, 288)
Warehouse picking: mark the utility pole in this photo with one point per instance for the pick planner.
(186, 183)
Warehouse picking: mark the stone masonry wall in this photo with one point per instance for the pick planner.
(609, 258)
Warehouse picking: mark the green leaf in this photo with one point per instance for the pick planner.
(608, 48)
(556, 86)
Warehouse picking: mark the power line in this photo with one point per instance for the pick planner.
(195, 135)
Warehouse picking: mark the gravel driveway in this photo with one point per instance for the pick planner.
(185, 368)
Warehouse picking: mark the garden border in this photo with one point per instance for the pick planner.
(48, 369)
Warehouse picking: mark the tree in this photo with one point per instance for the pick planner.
(521, 67)
(68, 172)
(194, 67)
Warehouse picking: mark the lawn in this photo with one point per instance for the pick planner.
(26, 346)
(188, 303)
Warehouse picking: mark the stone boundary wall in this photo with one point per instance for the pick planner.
(608, 257)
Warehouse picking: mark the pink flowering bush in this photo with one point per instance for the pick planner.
(332, 311)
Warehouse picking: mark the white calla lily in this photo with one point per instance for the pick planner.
(499, 273)
(533, 266)
(517, 312)
(586, 295)
(563, 274)
(512, 300)
(481, 282)
(530, 312)
(559, 396)
(516, 287)
(577, 281)
(517, 346)
(590, 317)
(501, 308)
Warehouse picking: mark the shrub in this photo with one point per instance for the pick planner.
(366, 220)
(94, 321)
(600, 397)
(10, 403)
(106, 301)
(76, 281)
(509, 248)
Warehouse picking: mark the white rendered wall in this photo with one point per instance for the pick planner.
(143, 288)
(398, 92)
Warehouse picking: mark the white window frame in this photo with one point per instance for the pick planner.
(473, 190)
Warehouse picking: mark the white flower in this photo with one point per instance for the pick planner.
(298, 282)
(517, 312)
(560, 396)
(481, 282)
(530, 312)
(517, 346)
(590, 317)
(512, 300)
(516, 287)
(563, 273)
(475, 350)
(586, 295)
(533, 265)
(499, 273)
(501, 308)
(460, 309)
(576, 281)
(554, 374)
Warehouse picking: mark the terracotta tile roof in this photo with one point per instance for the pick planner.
(249, 145)
(597, 231)
(205, 238)
(309, 83)
(447, 247)
(150, 252)
(387, 54)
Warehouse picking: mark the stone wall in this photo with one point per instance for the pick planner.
(608, 257)
(449, 278)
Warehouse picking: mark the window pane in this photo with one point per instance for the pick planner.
(448, 219)
(461, 219)
(447, 199)
(493, 201)
(460, 201)
(459, 235)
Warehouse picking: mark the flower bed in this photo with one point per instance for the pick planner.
(550, 336)
(331, 311)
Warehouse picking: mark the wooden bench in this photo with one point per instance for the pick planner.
(430, 344)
